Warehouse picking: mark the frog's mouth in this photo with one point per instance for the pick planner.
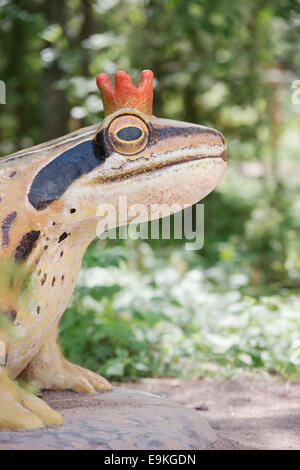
(180, 184)
(146, 167)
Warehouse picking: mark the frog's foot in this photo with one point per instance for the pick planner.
(20, 409)
(93, 379)
(65, 375)
(50, 370)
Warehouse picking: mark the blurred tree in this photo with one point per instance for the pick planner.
(54, 100)
(222, 64)
(210, 62)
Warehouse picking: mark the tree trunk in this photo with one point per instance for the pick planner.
(54, 103)
(86, 31)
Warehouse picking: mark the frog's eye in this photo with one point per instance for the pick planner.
(128, 134)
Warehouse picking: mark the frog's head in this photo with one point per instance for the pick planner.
(135, 155)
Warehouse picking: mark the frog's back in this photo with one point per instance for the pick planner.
(45, 150)
(17, 172)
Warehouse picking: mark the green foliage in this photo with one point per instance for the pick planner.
(169, 317)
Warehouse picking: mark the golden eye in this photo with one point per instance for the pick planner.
(128, 134)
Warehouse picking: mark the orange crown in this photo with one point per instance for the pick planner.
(124, 94)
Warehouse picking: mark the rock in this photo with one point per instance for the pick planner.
(115, 420)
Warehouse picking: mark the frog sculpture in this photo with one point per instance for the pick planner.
(50, 196)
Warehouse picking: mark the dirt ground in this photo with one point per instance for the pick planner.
(248, 412)
(118, 419)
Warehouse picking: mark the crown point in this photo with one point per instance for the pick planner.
(145, 76)
(104, 83)
(122, 76)
(124, 94)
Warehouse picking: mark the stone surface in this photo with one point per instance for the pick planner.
(115, 420)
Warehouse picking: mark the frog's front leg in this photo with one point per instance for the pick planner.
(20, 409)
(50, 370)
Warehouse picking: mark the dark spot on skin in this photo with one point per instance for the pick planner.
(61, 253)
(72, 211)
(38, 309)
(47, 238)
(6, 224)
(43, 280)
(62, 237)
(53, 281)
(53, 180)
(53, 223)
(26, 245)
(39, 272)
(12, 174)
(45, 247)
(63, 277)
(11, 314)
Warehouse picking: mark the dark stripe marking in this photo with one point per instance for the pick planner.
(169, 132)
(26, 245)
(54, 179)
(6, 224)
(160, 167)
(100, 146)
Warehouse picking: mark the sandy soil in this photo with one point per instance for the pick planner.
(119, 419)
(247, 413)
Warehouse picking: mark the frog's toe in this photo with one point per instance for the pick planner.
(96, 380)
(85, 381)
(43, 411)
(79, 383)
(20, 409)
(15, 416)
